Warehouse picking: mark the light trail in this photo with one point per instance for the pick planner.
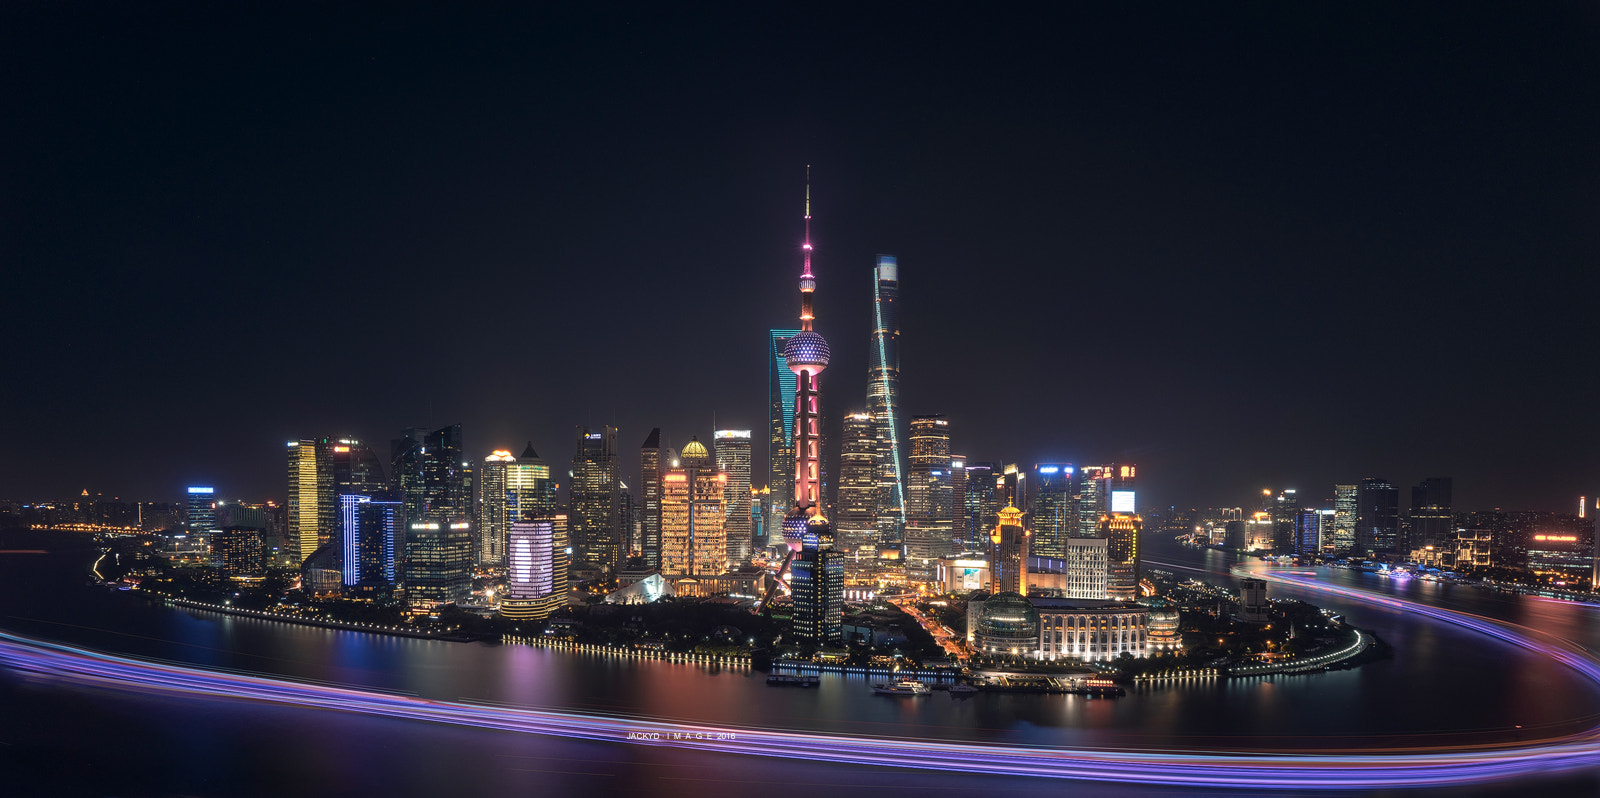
(1287, 770)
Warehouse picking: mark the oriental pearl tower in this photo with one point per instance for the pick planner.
(806, 355)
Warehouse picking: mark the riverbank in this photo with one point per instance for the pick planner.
(371, 628)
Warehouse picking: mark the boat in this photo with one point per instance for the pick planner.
(903, 686)
(790, 680)
(962, 689)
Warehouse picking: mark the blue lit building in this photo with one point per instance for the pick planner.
(370, 528)
(883, 399)
(1053, 508)
(781, 388)
(202, 511)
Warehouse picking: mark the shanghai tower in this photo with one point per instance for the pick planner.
(883, 400)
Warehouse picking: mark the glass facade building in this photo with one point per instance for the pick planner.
(883, 398)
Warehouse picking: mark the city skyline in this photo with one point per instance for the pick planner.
(1164, 229)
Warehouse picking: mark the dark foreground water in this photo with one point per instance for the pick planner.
(1444, 686)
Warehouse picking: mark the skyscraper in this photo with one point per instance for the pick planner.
(202, 517)
(1008, 554)
(1345, 508)
(1285, 511)
(883, 397)
(596, 536)
(1377, 516)
(818, 575)
(405, 471)
(1121, 531)
(733, 460)
(311, 510)
(370, 529)
(980, 505)
(928, 496)
(530, 573)
(438, 559)
(1432, 523)
(958, 502)
(855, 520)
(650, 468)
(694, 539)
(356, 469)
(444, 474)
(1054, 508)
(492, 516)
(1307, 532)
(1104, 489)
(531, 500)
(780, 430)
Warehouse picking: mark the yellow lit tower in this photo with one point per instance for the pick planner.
(1008, 554)
(694, 539)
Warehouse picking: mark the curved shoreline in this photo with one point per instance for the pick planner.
(1419, 767)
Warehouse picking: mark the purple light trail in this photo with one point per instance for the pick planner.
(1354, 770)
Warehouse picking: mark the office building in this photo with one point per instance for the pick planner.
(1377, 517)
(694, 539)
(780, 431)
(1346, 507)
(531, 496)
(1307, 535)
(1285, 510)
(958, 502)
(883, 398)
(240, 552)
(445, 484)
(1091, 631)
(202, 509)
(1253, 606)
(733, 460)
(1053, 508)
(438, 560)
(1432, 519)
(356, 468)
(929, 509)
(492, 516)
(855, 522)
(979, 505)
(1083, 572)
(532, 589)
(370, 529)
(311, 505)
(1121, 531)
(595, 519)
(650, 470)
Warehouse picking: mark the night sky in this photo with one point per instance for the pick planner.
(1252, 246)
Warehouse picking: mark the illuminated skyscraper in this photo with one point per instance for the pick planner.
(1307, 532)
(405, 471)
(1053, 508)
(929, 497)
(958, 502)
(733, 460)
(202, 511)
(1345, 508)
(650, 468)
(1377, 516)
(438, 559)
(531, 500)
(1104, 489)
(311, 511)
(1285, 511)
(1121, 531)
(530, 576)
(370, 529)
(492, 516)
(1008, 554)
(596, 533)
(979, 505)
(817, 577)
(855, 525)
(694, 539)
(780, 431)
(883, 398)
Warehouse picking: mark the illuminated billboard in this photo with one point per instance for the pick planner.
(1122, 501)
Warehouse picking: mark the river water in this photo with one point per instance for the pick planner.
(1444, 686)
